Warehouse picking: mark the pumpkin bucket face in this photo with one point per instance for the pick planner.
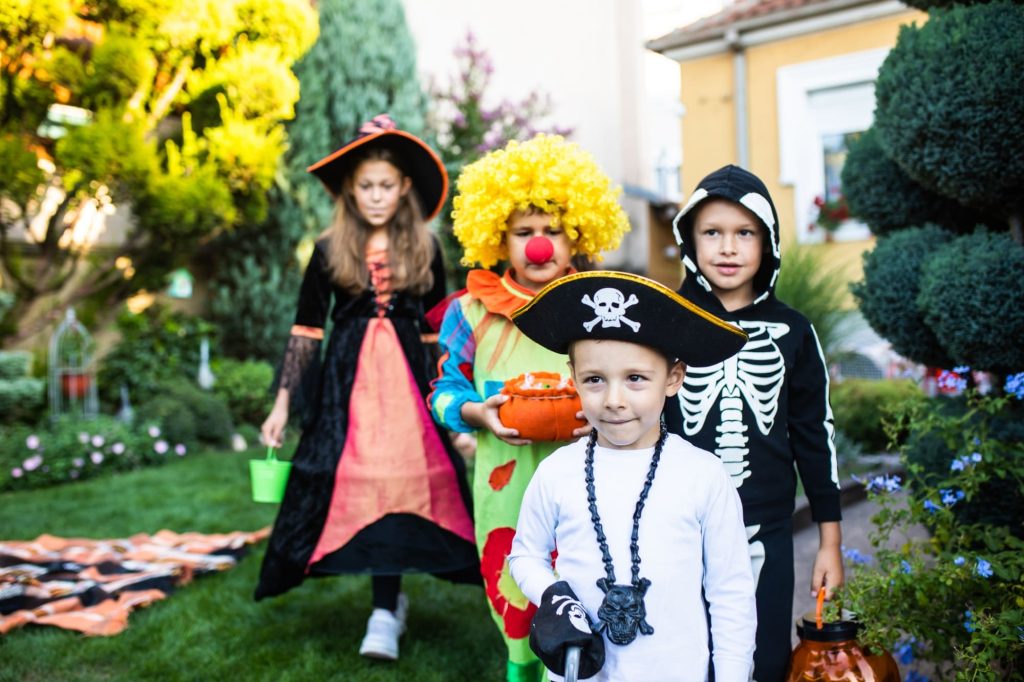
(542, 406)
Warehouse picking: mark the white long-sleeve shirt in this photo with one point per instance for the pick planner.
(691, 536)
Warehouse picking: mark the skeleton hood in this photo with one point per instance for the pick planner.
(745, 188)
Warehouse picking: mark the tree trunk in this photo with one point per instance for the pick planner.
(1015, 228)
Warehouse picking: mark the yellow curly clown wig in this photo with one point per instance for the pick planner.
(546, 173)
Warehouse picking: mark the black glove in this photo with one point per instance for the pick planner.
(562, 622)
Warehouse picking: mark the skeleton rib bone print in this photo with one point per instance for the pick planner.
(755, 376)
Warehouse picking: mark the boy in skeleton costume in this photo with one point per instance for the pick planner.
(643, 522)
(531, 205)
(764, 409)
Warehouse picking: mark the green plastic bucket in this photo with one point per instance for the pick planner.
(269, 477)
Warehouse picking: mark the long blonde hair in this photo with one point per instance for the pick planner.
(410, 248)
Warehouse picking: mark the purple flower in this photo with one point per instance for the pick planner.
(32, 442)
(16, 472)
(97, 441)
(180, 450)
(983, 569)
(83, 437)
(930, 506)
(459, 119)
(32, 463)
(96, 457)
(78, 462)
(153, 431)
(160, 447)
(117, 448)
(959, 561)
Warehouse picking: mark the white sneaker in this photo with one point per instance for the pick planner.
(383, 630)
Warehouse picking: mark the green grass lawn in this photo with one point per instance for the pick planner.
(212, 629)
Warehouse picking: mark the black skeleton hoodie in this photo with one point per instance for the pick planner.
(767, 407)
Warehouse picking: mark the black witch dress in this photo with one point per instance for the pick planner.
(375, 487)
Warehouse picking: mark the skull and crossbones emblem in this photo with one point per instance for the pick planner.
(572, 608)
(623, 613)
(610, 306)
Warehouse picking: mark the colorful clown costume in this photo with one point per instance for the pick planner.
(481, 349)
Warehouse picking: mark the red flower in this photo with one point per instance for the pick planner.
(494, 567)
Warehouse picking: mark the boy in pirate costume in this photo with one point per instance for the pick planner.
(765, 409)
(532, 205)
(642, 520)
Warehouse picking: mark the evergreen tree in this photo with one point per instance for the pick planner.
(948, 139)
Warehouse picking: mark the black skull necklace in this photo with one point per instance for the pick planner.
(622, 611)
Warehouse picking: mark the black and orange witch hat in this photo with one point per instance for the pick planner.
(428, 175)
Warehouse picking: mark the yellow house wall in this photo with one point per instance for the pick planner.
(709, 137)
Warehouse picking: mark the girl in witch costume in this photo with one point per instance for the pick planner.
(533, 205)
(374, 487)
(643, 521)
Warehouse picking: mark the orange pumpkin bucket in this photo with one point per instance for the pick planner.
(829, 652)
(542, 406)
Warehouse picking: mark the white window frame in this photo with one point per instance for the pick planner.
(801, 156)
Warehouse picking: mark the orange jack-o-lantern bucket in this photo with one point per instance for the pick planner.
(542, 406)
(829, 652)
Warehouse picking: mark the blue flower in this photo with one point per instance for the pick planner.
(889, 484)
(959, 561)
(957, 465)
(904, 651)
(914, 676)
(949, 497)
(1015, 385)
(905, 566)
(962, 369)
(968, 621)
(855, 556)
(931, 506)
(984, 568)
(975, 456)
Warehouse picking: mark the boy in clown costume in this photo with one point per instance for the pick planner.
(532, 206)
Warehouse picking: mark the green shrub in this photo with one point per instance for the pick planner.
(186, 413)
(245, 387)
(948, 111)
(953, 598)
(881, 194)
(156, 346)
(15, 364)
(980, 319)
(861, 405)
(71, 449)
(888, 293)
(815, 288)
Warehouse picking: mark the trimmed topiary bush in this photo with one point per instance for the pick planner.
(950, 109)
(970, 297)
(861, 406)
(888, 293)
(883, 196)
(186, 413)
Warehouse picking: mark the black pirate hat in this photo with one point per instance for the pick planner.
(429, 177)
(621, 306)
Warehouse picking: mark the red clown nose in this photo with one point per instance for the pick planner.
(539, 250)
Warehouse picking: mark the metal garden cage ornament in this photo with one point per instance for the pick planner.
(72, 385)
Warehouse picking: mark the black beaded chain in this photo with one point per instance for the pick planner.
(634, 539)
